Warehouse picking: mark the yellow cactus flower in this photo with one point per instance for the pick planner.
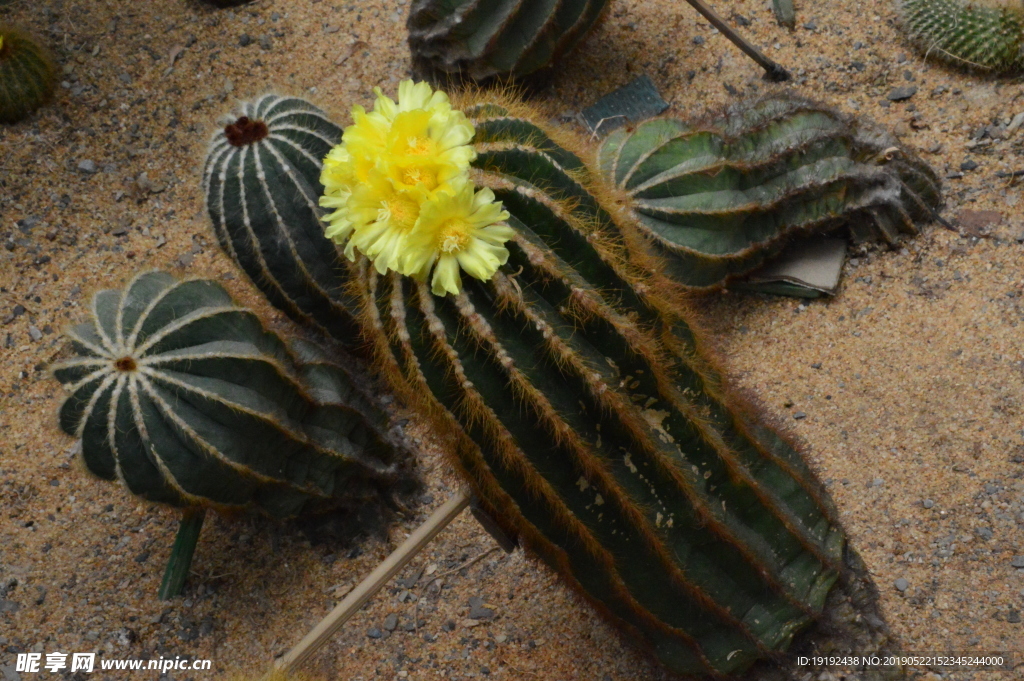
(399, 191)
(461, 230)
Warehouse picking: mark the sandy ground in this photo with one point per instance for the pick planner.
(908, 386)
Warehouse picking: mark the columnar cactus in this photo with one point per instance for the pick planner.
(584, 410)
(27, 75)
(261, 188)
(719, 197)
(187, 400)
(487, 38)
(987, 36)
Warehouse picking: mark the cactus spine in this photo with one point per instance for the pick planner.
(487, 38)
(986, 35)
(718, 198)
(27, 75)
(186, 399)
(261, 182)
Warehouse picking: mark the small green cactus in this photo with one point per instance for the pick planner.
(265, 213)
(27, 74)
(583, 409)
(483, 39)
(187, 400)
(987, 36)
(719, 197)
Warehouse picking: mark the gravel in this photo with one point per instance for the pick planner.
(900, 94)
(902, 584)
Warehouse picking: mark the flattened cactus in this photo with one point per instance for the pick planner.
(486, 38)
(987, 35)
(719, 197)
(27, 75)
(186, 399)
(261, 185)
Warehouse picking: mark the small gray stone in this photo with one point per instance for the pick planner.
(799, 415)
(87, 166)
(34, 333)
(968, 165)
(928, 503)
(391, 622)
(244, 40)
(9, 673)
(902, 584)
(375, 633)
(1013, 616)
(1017, 561)
(985, 533)
(900, 94)
(477, 611)
(265, 42)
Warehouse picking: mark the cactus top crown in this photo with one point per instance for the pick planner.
(400, 189)
(245, 131)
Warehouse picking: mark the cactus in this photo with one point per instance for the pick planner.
(719, 197)
(483, 39)
(987, 36)
(187, 400)
(583, 409)
(27, 75)
(261, 181)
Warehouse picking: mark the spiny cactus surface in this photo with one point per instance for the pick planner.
(717, 198)
(589, 423)
(589, 420)
(261, 182)
(27, 75)
(487, 38)
(187, 400)
(986, 35)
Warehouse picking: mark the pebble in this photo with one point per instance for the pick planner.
(799, 415)
(375, 633)
(1017, 561)
(87, 166)
(968, 165)
(928, 503)
(900, 94)
(265, 42)
(391, 622)
(34, 333)
(478, 611)
(902, 584)
(985, 533)
(244, 40)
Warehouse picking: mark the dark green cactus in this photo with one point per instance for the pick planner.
(27, 75)
(585, 413)
(719, 197)
(986, 36)
(261, 182)
(482, 39)
(187, 400)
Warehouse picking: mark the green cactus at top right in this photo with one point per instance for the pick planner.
(987, 35)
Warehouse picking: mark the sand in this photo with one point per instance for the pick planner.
(910, 381)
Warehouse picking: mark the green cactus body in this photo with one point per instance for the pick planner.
(986, 35)
(261, 182)
(585, 413)
(487, 38)
(27, 75)
(718, 198)
(186, 399)
(589, 422)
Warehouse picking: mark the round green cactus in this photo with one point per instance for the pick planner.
(987, 35)
(185, 398)
(482, 39)
(27, 75)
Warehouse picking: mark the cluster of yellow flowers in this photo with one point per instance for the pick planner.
(401, 195)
